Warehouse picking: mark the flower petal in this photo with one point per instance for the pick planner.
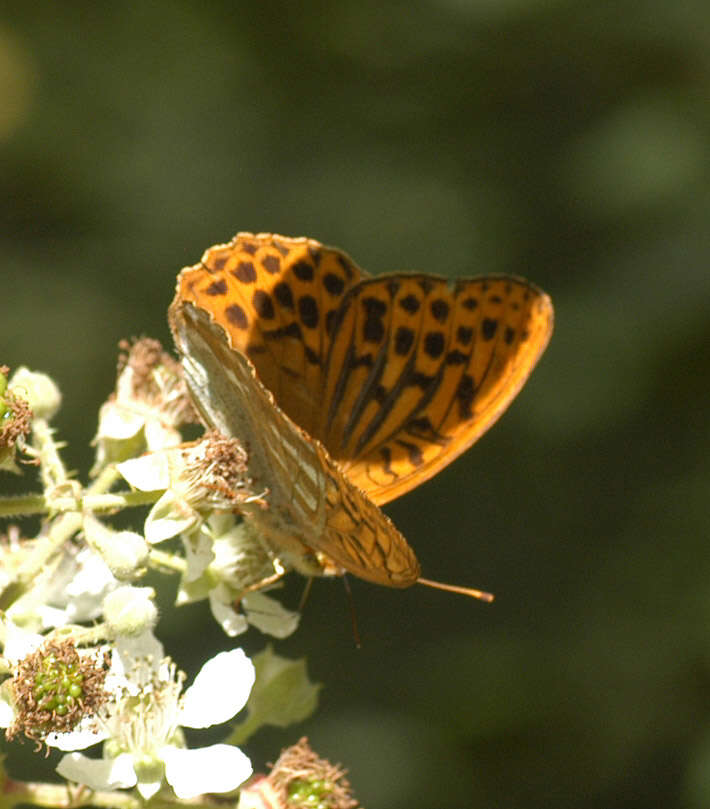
(19, 642)
(218, 768)
(102, 773)
(220, 690)
(7, 710)
(169, 516)
(269, 615)
(231, 621)
(78, 739)
(148, 473)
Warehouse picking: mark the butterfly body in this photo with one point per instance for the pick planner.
(347, 391)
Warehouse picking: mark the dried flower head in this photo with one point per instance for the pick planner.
(217, 473)
(211, 473)
(300, 780)
(54, 688)
(15, 422)
(149, 404)
(153, 376)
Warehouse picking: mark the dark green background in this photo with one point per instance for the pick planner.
(563, 141)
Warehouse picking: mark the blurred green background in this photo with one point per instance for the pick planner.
(564, 141)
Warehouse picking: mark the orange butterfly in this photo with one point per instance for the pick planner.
(347, 391)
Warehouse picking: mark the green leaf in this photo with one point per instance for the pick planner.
(281, 696)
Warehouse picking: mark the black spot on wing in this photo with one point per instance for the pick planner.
(464, 334)
(333, 283)
(245, 272)
(414, 452)
(373, 329)
(263, 304)
(308, 311)
(292, 330)
(456, 357)
(272, 264)
(403, 340)
(331, 317)
(217, 288)
(283, 294)
(410, 303)
(316, 255)
(439, 309)
(236, 316)
(434, 344)
(303, 271)
(488, 328)
(465, 394)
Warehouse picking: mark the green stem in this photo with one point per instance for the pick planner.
(65, 796)
(119, 500)
(22, 505)
(51, 469)
(27, 504)
(107, 477)
(160, 559)
(243, 731)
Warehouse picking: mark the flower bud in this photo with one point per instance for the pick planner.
(38, 390)
(125, 552)
(130, 610)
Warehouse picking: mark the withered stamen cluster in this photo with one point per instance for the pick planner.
(144, 356)
(15, 420)
(299, 768)
(224, 469)
(54, 688)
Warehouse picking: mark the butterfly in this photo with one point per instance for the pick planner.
(347, 390)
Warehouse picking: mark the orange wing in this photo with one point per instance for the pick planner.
(420, 367)
(277, 299)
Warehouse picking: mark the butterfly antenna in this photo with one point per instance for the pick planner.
(353, 614)
(455, 588)
(306, 593)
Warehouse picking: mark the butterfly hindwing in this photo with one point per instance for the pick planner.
(420, 367)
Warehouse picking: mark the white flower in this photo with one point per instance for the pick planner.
(76, 590)
(142, 728)
(208, 474)
(68, 589)
(161, 471)
(225, 560)
(150, 402)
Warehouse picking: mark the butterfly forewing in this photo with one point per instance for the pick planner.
(310, 505)
(419, 367)
(277, 299)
